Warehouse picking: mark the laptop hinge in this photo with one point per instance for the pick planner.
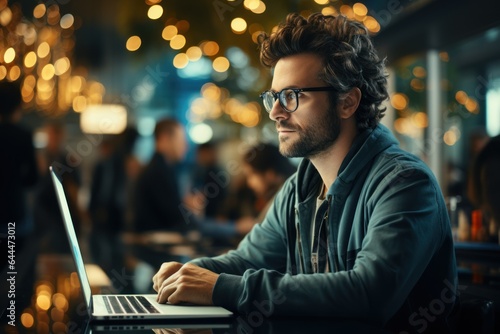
(91, 306)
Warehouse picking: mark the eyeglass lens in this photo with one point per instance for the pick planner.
(287, 97)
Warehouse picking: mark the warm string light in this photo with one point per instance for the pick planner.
(215, 102)
(175, 30)
(38, 54)
(412, 122)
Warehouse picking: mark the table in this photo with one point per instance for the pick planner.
(48, 299)
(479, 272)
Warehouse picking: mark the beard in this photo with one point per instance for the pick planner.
(314, 139)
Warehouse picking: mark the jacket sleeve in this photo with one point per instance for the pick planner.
(403, 233)
(263, 247)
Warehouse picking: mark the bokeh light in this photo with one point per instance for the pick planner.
(238, 25)
(133, 43)
(9, 55)
(399, 101)
(221, 64)
(43, 50)
(67, 21)
(155, 12)
(39, 11)
(169, 32)
(30, 59)
(209, 48)
(178, 42)
(181, 60)
(201, 133)
(194, 53)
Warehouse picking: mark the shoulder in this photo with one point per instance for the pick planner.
(395, 168)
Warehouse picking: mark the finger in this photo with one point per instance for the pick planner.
(164, 293)
(175, 297)
(171, 279)
(168, 286)
(165, 271)
(155, 280)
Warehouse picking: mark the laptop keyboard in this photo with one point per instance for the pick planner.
(128, 304)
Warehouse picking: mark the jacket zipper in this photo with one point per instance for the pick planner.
(299, 242)
(334, 255)
(314, 261)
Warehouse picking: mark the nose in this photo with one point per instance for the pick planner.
(278, 112)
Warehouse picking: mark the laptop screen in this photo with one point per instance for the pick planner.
(73, 241)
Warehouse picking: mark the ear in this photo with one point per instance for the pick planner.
(349, 103)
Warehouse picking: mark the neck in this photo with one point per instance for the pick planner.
(328, 162)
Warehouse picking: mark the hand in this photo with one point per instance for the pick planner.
(196, 202)
(167, 269)
(176, 283)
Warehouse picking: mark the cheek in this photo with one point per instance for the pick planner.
(181, 149)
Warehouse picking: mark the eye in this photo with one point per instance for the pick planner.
(289, 95)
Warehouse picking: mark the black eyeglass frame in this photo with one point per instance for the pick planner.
(276, 95)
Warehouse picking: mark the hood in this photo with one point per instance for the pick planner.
(365, 147)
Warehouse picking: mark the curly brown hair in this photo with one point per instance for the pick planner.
(350, 59)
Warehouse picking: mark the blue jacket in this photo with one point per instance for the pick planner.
(390, 248)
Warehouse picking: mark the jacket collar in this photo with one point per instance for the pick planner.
(365, 147)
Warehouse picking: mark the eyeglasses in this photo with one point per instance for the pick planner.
(288, 97)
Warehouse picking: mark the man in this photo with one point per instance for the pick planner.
(204, 174)
(361, 230)
(157, 196)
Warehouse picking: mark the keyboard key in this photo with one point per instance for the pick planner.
(108, 306)
(124, 303)
(135, 304)
(147, 305)
(115, 305)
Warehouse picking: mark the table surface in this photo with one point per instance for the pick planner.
(48, 299)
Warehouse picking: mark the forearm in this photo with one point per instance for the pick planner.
(227, 263)
(300, 295)
(261, 248)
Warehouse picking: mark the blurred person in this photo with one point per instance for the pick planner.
(240, 200)
(206, 180)
(157, 198)
(110, 198)
(48, 221)
(265, 170)
(485, 187)
(361, 229)
(18, 170)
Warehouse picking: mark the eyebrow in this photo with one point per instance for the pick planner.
(286, 87)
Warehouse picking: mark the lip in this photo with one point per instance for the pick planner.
(284, 130)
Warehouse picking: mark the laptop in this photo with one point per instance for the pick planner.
(125, 307)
